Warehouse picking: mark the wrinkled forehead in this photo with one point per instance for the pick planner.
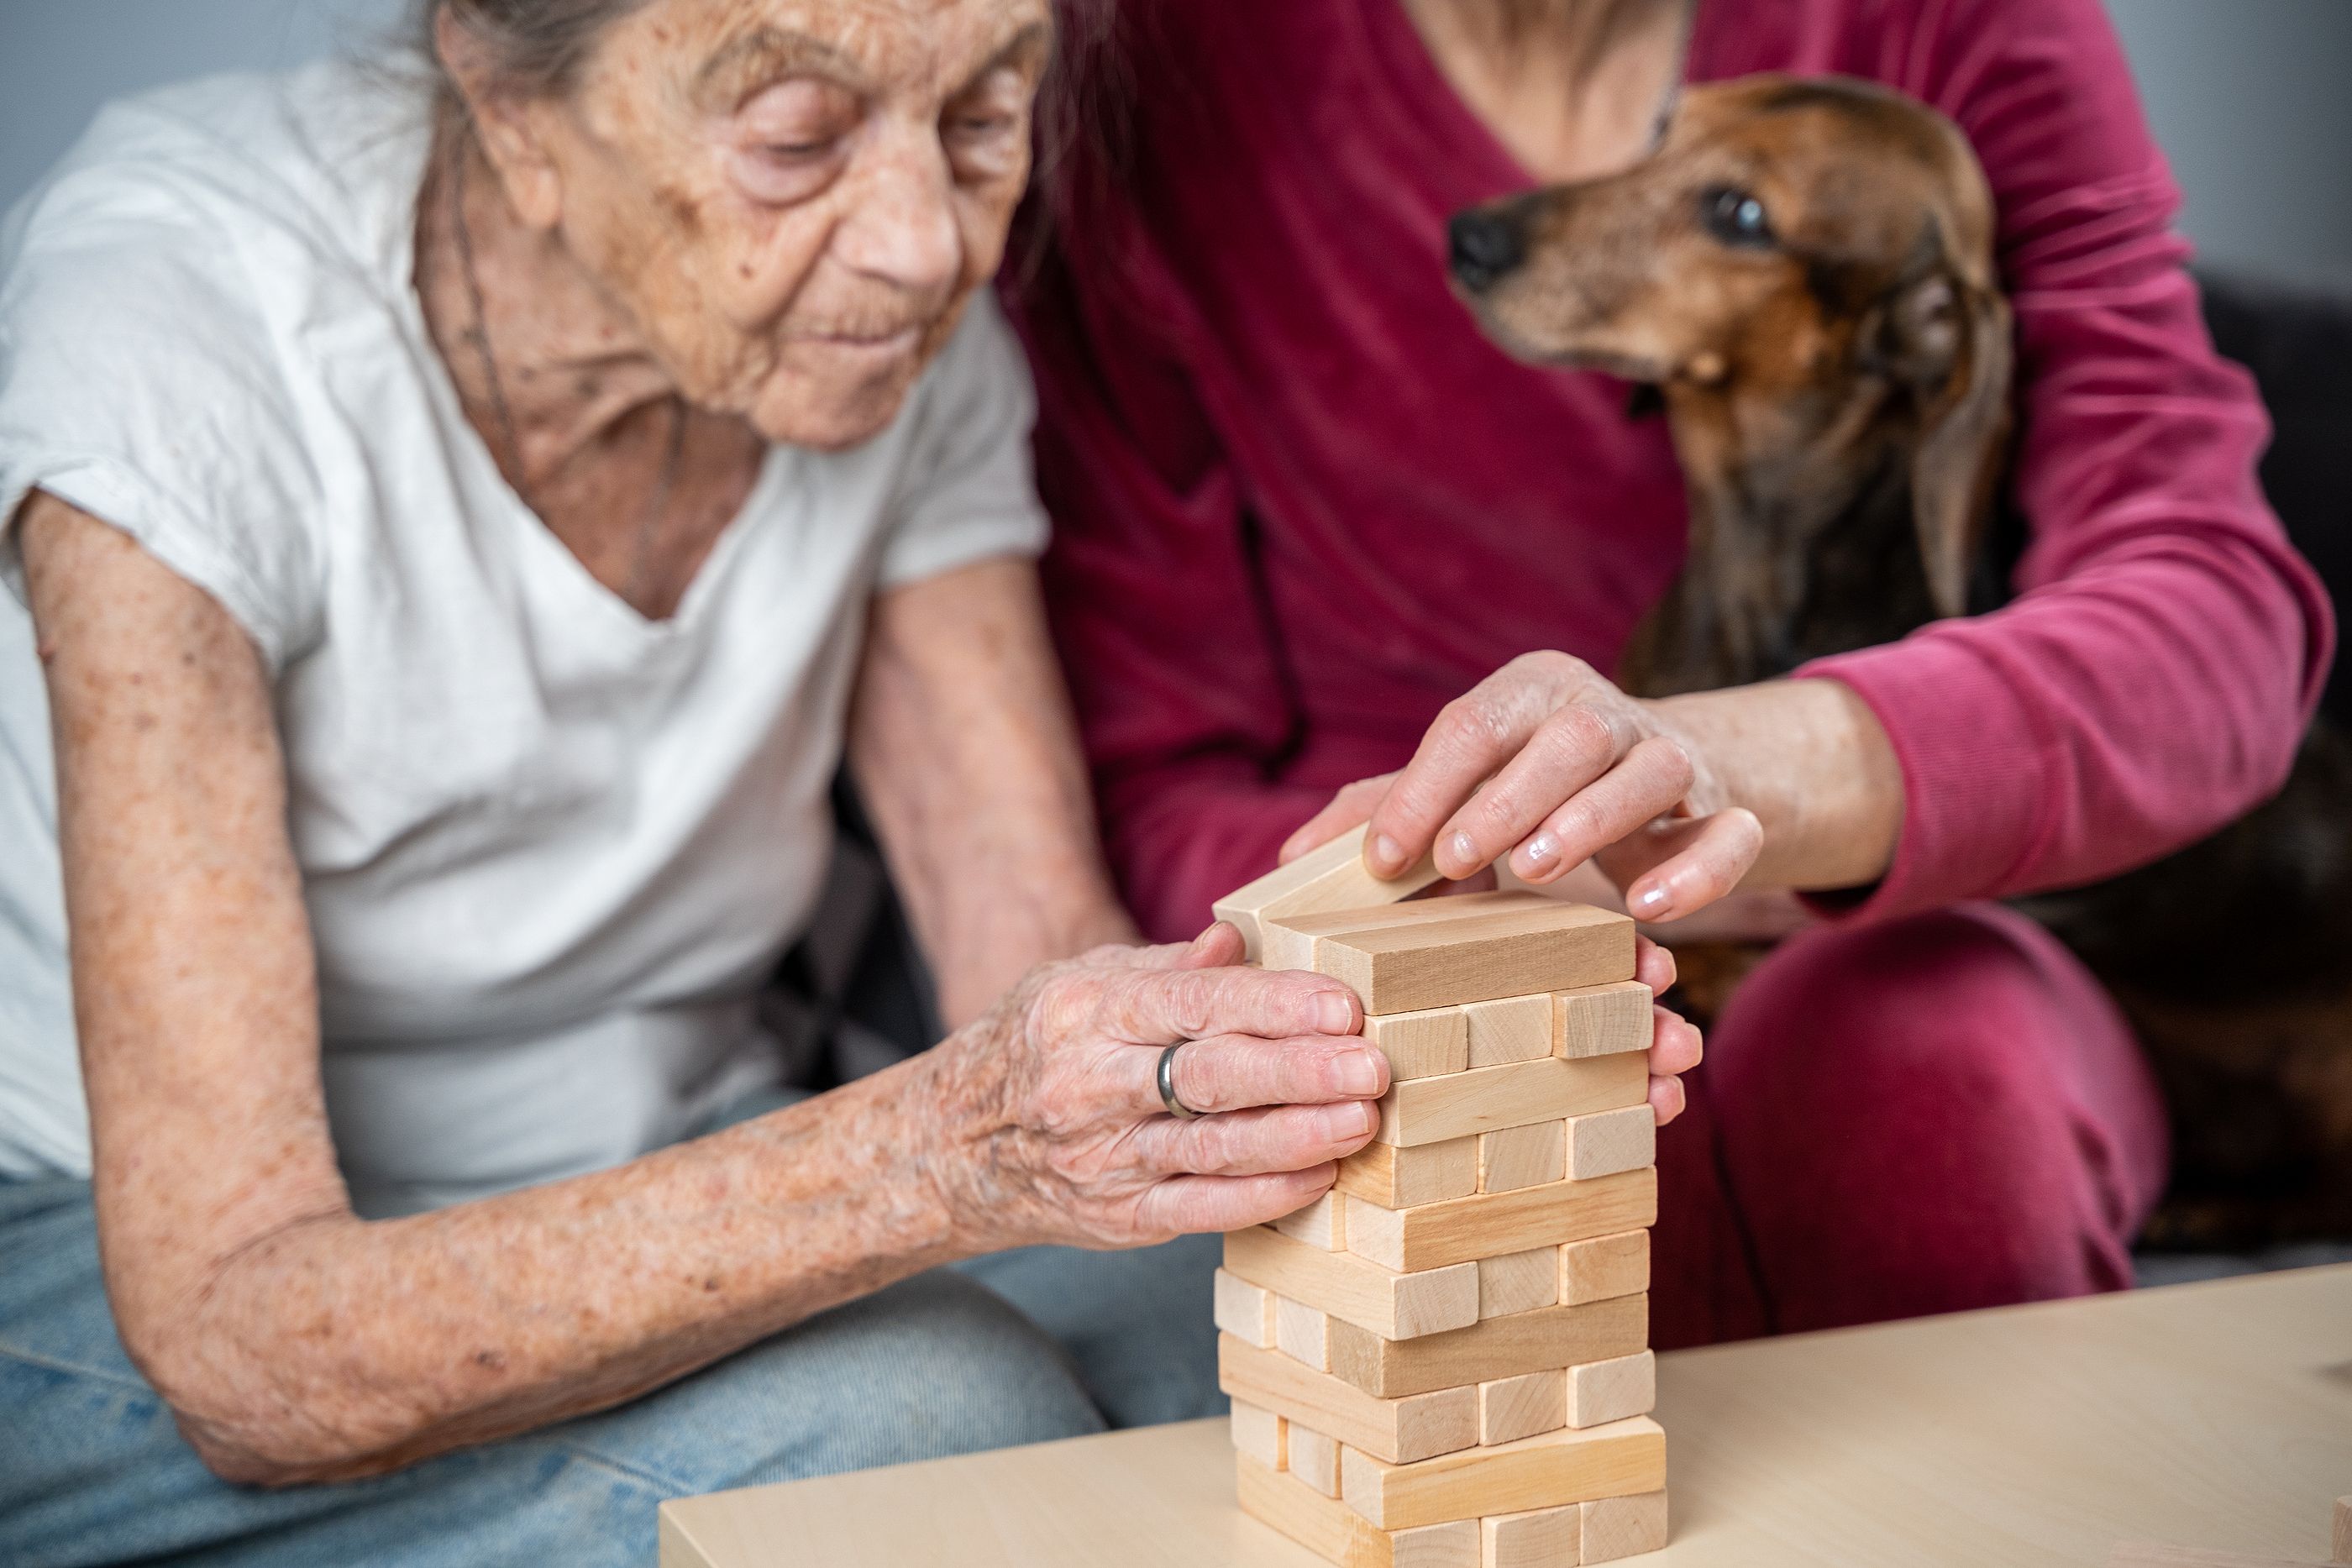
(1841, 164)
(728, 49)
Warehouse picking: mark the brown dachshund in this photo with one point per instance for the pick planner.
(1803, 272)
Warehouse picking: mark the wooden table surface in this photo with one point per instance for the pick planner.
(2214, 1415)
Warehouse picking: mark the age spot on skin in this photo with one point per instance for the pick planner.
(682, 211)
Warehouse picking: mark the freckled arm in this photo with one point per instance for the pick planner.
(295, 1341)
(967, 757)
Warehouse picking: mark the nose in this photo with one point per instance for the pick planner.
(902, 226)
(1483, 246)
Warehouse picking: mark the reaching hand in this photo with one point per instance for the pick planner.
(1548, 763)
(1053, 1126)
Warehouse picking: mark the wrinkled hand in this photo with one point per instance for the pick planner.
(1053, 1125)
(1548, 763)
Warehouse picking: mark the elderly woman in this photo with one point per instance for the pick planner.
(460, 527)
(1425, 556)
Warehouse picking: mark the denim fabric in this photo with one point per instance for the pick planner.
(93, 1471)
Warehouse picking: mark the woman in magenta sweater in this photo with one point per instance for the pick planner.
(1312, 528)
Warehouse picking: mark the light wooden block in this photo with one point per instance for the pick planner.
(1330, 1529)
(1611, 1141)
(1353, 1288)
(1547, 1471)
(1338, 1535)
(1393, 1177)
(1303, 1333)
(1416, 1426)
(1447, 955)
(1614, 1527)
(1513, 1028)
(1290, 941)
(2342, 1549)
(1243, 1310)
(1432, 1110)
(1603, 1267)
(1540, 1538)
(1517, 1282)
(1601, 1391)
(1513, 1157)
(1490, 1224)
(1603, 1021)
(1510, 1408)
(1332, 876)
(1426, 1045)
(1259, 1433)
(1546, 1339)
(1323, 1223)
(1314, 1459)
(1453, 1544)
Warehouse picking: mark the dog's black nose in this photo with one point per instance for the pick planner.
(1484, 247)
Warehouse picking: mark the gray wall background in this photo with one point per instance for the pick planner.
(2251, 98)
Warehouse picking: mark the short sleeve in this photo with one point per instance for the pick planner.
(967, 491)
(140, 383)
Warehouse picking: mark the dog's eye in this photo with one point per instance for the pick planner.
(1737, 218)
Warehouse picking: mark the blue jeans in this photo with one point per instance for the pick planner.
(1017, 1348)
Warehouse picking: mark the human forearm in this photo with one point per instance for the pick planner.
(1810, 760)
(333, 1347)
(295, 1341)
(322, 1347)
(965, 755)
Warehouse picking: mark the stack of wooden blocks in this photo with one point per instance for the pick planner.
(1444, 1363)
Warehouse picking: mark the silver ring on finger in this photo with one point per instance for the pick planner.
(1167, 1079)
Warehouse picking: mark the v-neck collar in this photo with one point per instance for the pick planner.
(1474, 165)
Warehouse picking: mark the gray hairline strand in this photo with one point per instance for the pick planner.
(537, 45)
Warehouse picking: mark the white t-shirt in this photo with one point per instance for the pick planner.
(549, 850)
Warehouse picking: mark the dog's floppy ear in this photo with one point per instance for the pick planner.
(1947, 336)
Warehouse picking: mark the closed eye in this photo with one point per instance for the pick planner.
(1737, 218)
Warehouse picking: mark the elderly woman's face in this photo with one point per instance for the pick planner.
(795, 198)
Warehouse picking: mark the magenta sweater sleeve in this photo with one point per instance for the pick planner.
(2153, 677)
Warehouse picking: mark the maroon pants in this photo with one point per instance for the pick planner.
(1921, 1117)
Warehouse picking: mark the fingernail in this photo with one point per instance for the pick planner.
(1360, 1073)
(1651, 901)
(1541, 853)
(1388, 855)
(1465, 850)
(1349, 1119)
(1335, 1014)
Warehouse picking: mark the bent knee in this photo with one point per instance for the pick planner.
(1973, 1004)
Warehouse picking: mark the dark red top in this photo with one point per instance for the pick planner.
(1301, 502)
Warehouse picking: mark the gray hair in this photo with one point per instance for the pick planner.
(537, 46)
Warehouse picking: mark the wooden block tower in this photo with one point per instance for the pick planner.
(1444, 1362)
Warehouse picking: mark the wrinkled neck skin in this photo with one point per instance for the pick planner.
(1802, 542)
(571, 362)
